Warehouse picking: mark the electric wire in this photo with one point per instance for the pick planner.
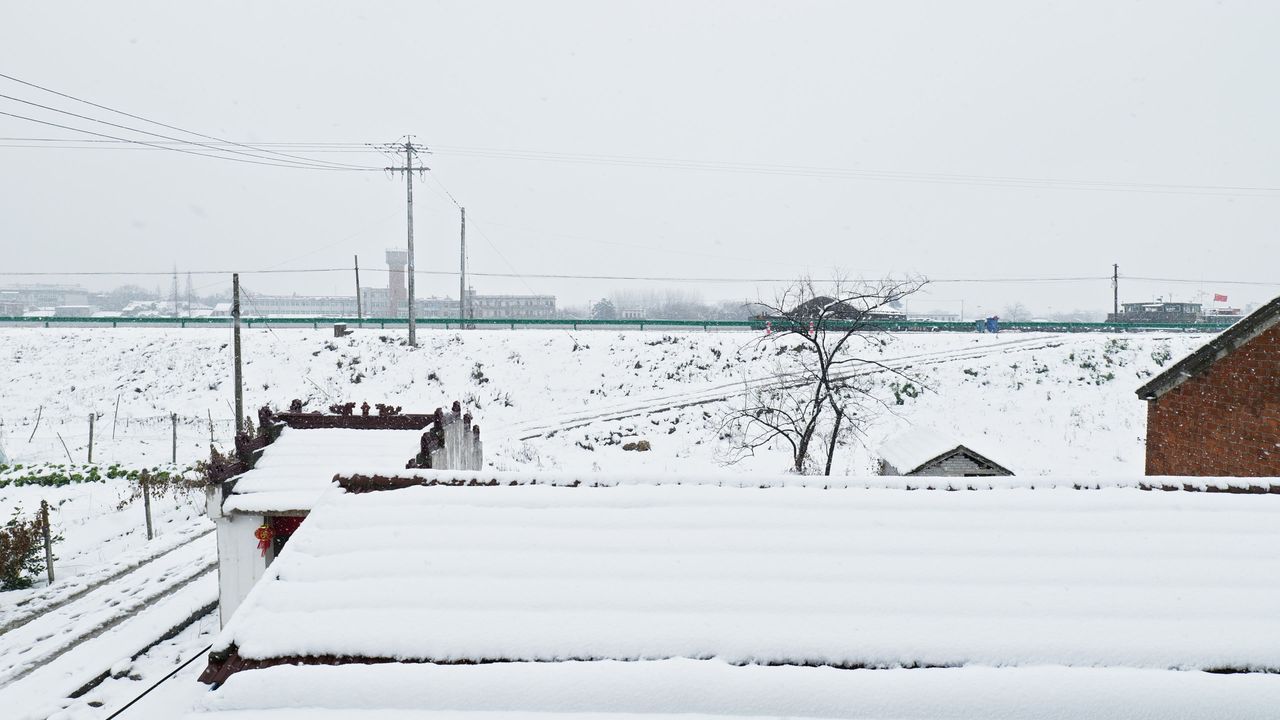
(977, 180)
(871, 174)
(139, 117)
(294, 166)
(312, 164)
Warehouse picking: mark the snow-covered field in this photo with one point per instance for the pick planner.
(1038, 403)
(546, 401)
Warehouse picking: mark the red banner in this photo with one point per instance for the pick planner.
(1219, 298)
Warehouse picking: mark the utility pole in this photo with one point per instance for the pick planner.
(410, 151)
(462, 274)
(235, 338)
(359, 307)
(1115, 289)
(174, 294)
(191, 294)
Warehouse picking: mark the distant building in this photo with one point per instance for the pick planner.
(338, 306)
(1216, 412)
(392, 302)
(1157, 312)
(927, 452)
(17, 299)
(823, 306)
(939, 316)
(511, 306)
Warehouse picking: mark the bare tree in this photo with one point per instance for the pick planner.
(818, 392)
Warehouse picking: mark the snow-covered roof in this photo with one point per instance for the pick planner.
(794, 575)
(917, 445)
(697, 689)
(299, 466)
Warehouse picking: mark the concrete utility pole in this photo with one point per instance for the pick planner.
(235, 339)
(410, 151)
(462, 273)
(174, 294)
(1115, 289)
(359, 306)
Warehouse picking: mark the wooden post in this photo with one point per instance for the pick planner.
(210, 413)
(91, 438)
(173, 418)
(146, 499)
(39, 412)
(64, 447)
(115, 417)
(48, 542)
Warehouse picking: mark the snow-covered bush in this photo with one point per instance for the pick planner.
(21, 556)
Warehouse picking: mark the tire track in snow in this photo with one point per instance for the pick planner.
(41, 692)
(726, 391)
(57, 632)
(38, 610)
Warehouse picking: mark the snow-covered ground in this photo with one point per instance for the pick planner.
(550, 400)
(1041, 403)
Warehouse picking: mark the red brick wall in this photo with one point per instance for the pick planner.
(1225, 421)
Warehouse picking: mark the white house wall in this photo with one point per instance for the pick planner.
(240, 562)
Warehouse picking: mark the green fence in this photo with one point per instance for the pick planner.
(516, 323)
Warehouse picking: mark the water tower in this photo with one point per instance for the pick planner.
(397, 297)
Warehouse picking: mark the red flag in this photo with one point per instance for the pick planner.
(1219, 298)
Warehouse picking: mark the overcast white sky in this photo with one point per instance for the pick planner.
(1169, 93)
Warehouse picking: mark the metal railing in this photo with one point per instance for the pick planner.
(515, 323)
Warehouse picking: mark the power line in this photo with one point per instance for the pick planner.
(998, 181)
(112, 145)
(866, 174)
(173, 149)
(308, 163)
(89, 273)
(143, 119)
(1202, 281)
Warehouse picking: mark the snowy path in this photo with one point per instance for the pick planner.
(62, 649)
(543, 426)
(66, 591)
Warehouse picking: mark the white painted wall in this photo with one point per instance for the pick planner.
(240, 563)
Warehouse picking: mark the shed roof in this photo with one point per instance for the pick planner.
(785, 575)
(918, 446)
(1223, 344)
(300, 465)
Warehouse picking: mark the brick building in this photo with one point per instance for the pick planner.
(1217, 411)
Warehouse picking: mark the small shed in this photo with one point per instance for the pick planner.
(1217, 410)
(276, 475)
(921, 451)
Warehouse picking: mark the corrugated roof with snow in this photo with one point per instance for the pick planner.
(694, 579)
